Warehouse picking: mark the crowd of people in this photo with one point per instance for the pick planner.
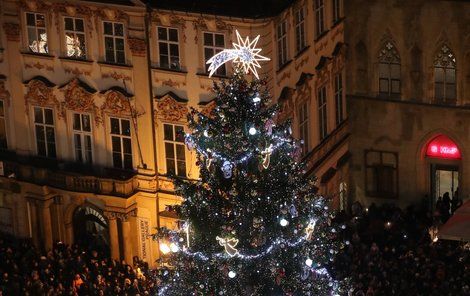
(388, 251)
(68, 270)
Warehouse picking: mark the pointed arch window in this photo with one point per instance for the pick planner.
(389, 70)
(445, 90)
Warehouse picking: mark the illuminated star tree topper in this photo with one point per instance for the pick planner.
(244, 54)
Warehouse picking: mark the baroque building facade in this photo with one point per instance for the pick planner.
(94, 96)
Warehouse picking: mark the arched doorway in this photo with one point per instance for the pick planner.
(91, 229)
(444, 158)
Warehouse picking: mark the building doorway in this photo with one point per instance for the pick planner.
(91, 230)
(444, 178)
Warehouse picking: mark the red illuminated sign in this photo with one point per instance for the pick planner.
(443, 147)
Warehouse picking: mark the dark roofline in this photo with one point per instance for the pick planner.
(43, 79)
(118, 89)
(82, 84)
(173, 96)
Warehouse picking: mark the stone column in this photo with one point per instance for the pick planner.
(126, 240)
(33, 223)
(46, 226)
(113, 237)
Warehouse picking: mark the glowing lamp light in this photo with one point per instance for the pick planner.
(164, 248)
(174, 247)
(252, 131)
(283, 222)
(443, 147)
(232, 274)
(309, 262)
(256, 99)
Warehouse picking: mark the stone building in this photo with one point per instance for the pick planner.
(93, 95)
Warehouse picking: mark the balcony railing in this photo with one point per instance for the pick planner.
(73, 177)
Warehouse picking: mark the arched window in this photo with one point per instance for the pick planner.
(389, 70)
(444, 76)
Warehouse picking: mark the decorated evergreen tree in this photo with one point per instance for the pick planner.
(253, 222)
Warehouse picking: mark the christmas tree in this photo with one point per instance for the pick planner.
(253, 222)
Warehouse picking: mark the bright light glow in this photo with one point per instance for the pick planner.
(231, 274)
(443, 147)
(206, 134)
(174, 247)
(256, 99)
(244, 54)
(229, 244)
(164, 248)
(435, 239)
(309, 262)
(252, 131)
(284, 222)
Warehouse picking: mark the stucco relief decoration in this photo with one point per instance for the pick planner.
(116, 76)
(284, 76)
(137, 46)
(4, 93)
(301, 63)
(39, 66)
(319, 46)
(177, 21)
(76, 71)
(42, 95)
(78, 99)
(170, 83)
(338, 31)
(73, 10)
(117, 104)
(12, 31)
(322, 75)
(198, 25)
(169, 109)
(223, 26)
(207, 109)
(109, 14)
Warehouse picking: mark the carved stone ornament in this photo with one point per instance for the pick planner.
(117, 104)
(171, 110)
(137, 46)
(284, 75)
(40, 94)
(38, 66)
(12, 31)
(76, 98)
(207, 109)
(199, 25)
(116, 76)
(76, 71)
(4, 93)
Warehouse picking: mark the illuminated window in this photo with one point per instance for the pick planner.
(37, 33)
(282, 43)
(444, 75)
(82, 138)
(3, 131)
(168, 48)
(319, 17)
(213, 44)
(339, 102)
(389, 70)
(174, 149)
(322, 113)
(45, 131)
(303, 127)
(75, 37)
(336, 11)
(300, 29)
(114, 42)
(381, 173)
(121, 143)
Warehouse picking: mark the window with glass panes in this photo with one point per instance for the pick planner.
(445, 88)
(322, 112)
(282, 43)
(300, 30)
(82, 138)
(37, 33)
(214, 43)
(121, 143)
(114, 42)
(168, 48)
(303, 127)
(319, 17)
(3, 130)
(336, 11)
(339, 98)
(174, 149)
(45, 131)
(75, 37)
(389, 70)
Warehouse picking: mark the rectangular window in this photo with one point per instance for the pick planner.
(304, 127)
(319, 17)
(3, 130)
(174, 149)
(300, 30)
(213, 44)
(121, 143)
(75, 37)
(339, 98)
(282, 43)
(322, 112)
(37, 33)
(45, 131)
(168, 48)
(82, 138)
(389, 78)
(336, 11)
(381, 173)
(444, 83)
(114, 42)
